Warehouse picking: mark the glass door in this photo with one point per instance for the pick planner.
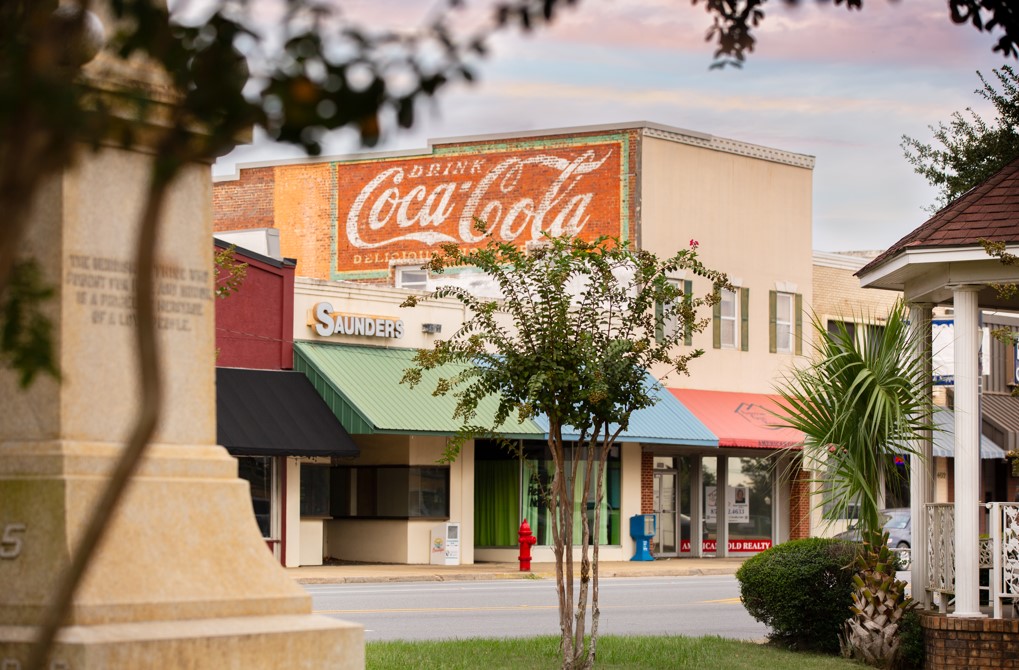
(666, 513)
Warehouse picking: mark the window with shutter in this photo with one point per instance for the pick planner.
(785, 323)
(726, 328)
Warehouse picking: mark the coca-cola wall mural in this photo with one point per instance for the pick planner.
(404, 209)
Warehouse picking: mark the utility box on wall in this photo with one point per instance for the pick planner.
(445, 545)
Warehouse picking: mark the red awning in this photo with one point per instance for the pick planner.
(740, 419)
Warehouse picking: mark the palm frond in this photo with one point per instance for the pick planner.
(863, 401)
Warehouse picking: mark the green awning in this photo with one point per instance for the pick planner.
(361, 385)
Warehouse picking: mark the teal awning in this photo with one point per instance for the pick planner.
(944, 437)
(361, 385)
(668, 421)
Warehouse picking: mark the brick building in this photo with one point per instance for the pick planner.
(360, 227)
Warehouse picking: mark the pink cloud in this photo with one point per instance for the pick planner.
(889, 32)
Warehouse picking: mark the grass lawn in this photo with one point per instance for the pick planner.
(613, 652)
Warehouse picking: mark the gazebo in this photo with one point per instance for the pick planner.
(945, 262)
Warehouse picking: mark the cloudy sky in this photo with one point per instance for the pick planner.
(841, 86)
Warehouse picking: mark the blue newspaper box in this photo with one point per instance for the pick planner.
(642, 529)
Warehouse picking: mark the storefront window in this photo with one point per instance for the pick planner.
(748, 501)
(709, 479)
(508, 488)
(537, 476)
(496, 497)
(257, 471)
(390, 492)
(750, 525)
(314, 490)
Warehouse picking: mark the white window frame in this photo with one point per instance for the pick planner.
(417, 284)
(670, 323)
(733, 342)
(787, 323)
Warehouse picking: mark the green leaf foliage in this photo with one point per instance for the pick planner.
(26, 333)
(967, 150)
(573, 335)
(801, 590)
(863, 400)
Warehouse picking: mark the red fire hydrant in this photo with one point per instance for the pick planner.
(526, 540)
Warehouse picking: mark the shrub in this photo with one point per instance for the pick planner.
(911, 647)
(802, 591)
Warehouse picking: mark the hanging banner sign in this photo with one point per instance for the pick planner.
(943, 351)
(404, 209)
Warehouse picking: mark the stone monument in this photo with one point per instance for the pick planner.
(183, 578)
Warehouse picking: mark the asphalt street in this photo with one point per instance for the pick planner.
(700, 605)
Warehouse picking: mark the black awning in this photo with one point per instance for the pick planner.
(276, 413)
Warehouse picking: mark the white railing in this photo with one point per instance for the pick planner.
(940, 551)
(999, 554)
(905, 557)
(1004, 527)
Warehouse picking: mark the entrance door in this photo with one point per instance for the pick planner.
(667, 513)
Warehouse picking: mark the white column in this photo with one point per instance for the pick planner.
(967, 453)
(722, 508)
(921, 465)
(292, 514)
(696, 508)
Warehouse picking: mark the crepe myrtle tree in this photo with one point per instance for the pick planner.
(572, 338)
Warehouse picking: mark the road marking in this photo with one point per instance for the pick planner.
(504, 608)
(440, 609)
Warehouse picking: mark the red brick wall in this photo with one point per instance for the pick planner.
(401, 209)
(647, 483)
(975, 644)
(799, 504)
(245, 203)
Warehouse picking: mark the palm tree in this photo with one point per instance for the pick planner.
(863, 401)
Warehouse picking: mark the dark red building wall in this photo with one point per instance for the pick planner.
(254, 324)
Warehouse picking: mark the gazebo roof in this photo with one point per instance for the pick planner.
(946, 250)
(988, 211)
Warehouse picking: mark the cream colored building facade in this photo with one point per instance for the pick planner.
(364, 223)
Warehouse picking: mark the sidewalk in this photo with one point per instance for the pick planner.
(366, 573)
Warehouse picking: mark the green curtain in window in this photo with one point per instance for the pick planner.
(496, 503)
(540, 518)
(535, 504)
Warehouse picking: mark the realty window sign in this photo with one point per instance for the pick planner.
(327, 322)
(737, 504)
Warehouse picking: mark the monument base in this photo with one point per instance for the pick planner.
(252, 643)
(183, 578)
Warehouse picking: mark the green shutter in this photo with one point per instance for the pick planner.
(744, 317)
(772, 321)
(716, 325)
(659, 321)
(688, 299)
(799, 324)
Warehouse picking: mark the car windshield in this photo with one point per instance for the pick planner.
(897, 521)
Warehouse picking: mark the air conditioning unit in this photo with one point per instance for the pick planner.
(431, 328)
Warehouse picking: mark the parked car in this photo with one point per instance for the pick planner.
(896, 524)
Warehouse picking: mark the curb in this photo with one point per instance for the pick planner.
(497, 576)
